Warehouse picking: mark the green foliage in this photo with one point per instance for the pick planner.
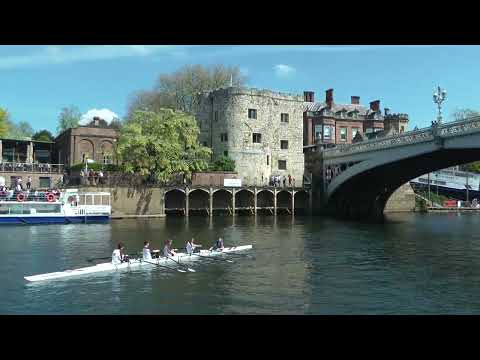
(472, 167)
(97, 167)
(21, 131)
(68, 118)
(179, 90)
(223, 164)
(43, 135)
(461, 114)
(4, 122)
(161, 144)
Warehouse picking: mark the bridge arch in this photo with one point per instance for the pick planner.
(284, 199)
(265, 198)
(380, 167)
(198, 199)
(222, 199)
(174, 199)
(244, 198)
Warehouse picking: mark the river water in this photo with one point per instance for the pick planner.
(412, 264)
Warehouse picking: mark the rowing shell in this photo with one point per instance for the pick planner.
(180, 257)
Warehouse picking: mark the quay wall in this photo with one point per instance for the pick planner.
(147, 201)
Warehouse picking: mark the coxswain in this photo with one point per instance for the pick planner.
(218, 245)
(190, 247)
(167, 249)
(117, 255)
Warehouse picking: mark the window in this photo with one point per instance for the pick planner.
(225, 153)
(318, 132)
(282, 164)
(354, 132)
(252, 113)
(284, 118)
(83, 157)
(205, 143)
(44, 182)
(216, 115)
(343, 134)
(223, 137)
(268, 160)
(283, 144)
(107, 159)
(368, 130)
(402, 128)
(327, 132)
(257, 138)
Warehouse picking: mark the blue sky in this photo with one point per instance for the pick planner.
(37, 81)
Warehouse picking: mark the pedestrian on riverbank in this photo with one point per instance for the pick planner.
(284, 181)
(100, 177)
(29, 182)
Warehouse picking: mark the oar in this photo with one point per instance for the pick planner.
(166, 267)
(178, 262)
(213, 258)
(102, 258)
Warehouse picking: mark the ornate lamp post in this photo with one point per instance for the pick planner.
(439, 96)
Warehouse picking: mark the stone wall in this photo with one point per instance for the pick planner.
(133, 201)
(214, 178)
(403, 199)
(225, 112)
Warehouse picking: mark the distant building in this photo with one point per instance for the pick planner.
(94, 141)
(45, 162)
(328, 123)
(261, 130)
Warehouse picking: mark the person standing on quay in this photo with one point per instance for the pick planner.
(289, 180)
(29, 182)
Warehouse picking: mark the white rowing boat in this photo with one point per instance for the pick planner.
(135, 263)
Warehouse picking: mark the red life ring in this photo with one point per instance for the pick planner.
(20, 197)
(71, 199)
(50, 197)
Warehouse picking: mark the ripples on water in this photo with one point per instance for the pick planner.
(413, 264)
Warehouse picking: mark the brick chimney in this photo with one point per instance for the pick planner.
(329, 98)
(308, 96)
(355, 100)
(375, 105)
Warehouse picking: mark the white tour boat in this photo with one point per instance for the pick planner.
(49, 207)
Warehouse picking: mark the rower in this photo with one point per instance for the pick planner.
(218, 245)
(147, 255)
(167, 249)
(117, 255)
(190, 247)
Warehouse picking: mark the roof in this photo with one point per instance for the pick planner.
(28, 140)
(319, 106)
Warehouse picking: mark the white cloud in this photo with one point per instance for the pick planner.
(282, 70)
(68, 54)
(105, 114)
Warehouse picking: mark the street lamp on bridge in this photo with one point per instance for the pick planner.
(439, 96)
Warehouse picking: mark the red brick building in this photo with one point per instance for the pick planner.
(327, 122)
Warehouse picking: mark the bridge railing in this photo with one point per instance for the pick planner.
(410, 137)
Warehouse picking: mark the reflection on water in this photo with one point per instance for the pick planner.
(414, 263)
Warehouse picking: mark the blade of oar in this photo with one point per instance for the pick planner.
(228, 253)
(213, 258)
(102, 258)
(178, 262)
(166, 267)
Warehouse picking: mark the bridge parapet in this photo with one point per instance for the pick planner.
(407, 138)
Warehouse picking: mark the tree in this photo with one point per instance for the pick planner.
(4, 122)
(116, 124)
(179, 90)
(69, 118)
(43, 135)
(461, 114)
(161, 144)
(225, 163)
(21, 131)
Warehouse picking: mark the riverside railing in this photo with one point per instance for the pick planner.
(31, 167)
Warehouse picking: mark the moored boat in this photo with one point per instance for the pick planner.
(48, 207)
(135, 263)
